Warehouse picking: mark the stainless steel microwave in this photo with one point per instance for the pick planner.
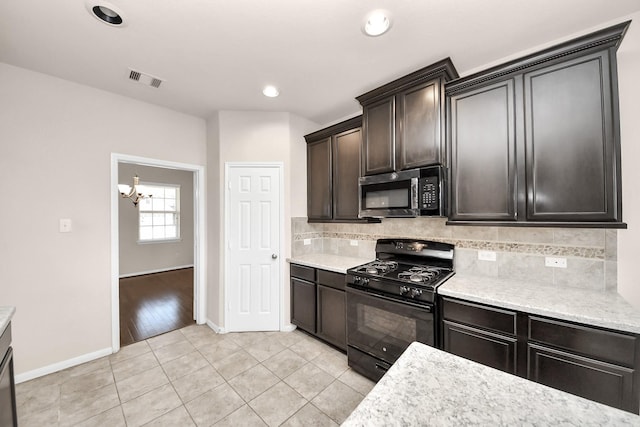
(409, 193)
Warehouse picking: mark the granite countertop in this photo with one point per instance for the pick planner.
(427, 386)
(6, 314)
(330, 262)
(595, 308)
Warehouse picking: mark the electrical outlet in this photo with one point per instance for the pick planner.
(65, 225)
(486, 255)
(556, 262)
(353, 242)
(307, 242)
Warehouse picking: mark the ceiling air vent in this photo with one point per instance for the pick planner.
(144, 79)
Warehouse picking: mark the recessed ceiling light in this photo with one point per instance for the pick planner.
(270, 91)
(376, 23)
(105, 12)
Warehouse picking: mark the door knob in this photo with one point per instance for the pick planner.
(274, 256)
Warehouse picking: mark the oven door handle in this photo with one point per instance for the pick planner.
(381, 366)
(426, 308)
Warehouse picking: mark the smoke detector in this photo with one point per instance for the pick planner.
(145, 79)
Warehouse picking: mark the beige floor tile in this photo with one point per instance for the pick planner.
(150, 406)
(178, 417)
(357, 382)
(263, 350)
(173, 351)
(196, 330)
(309, 380)
(197, 383)
(214, 405)
(78, 407)
(87, 382)
(241, 417)
(337, 401)
(166, 339)
(288, 339)
(252, 382)
(184, 365)
(219, 350)
(85, 368)
(112, 418)
(332, 363)
(56, 378)
(134, 365)
(129, 351)
(46, 417)
(142, 383)
(277, 404)
(34, 399)
(309, 416)
(309, 348)
(284, 363)
(234, 364)
(246, 339)
(204, 337)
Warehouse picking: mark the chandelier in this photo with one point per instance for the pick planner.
(135, 192)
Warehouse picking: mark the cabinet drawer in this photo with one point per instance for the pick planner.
(331, 279)
(302, 272)
(493, 319)
(604, 345)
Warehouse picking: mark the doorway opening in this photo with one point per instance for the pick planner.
(158, 258)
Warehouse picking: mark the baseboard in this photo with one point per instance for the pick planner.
(159, 270)
(288, 328)
(50, 369)
(216, 328)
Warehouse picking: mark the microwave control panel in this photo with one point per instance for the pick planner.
(429, 192)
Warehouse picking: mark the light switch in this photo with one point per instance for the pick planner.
(487, 255)
(353, 242)
(65, 225)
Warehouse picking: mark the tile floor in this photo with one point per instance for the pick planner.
(195, 377)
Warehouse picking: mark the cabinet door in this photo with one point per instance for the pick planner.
(303, 304)
(496, 351)
(378, 121)
(571, 173)
(319, 189)
(482, 138)
(332, 321)
(418, 140)
(346, 171)
(589, 378)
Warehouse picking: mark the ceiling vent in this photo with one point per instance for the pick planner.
(144, 79)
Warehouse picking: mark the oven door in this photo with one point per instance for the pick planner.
(384, 327)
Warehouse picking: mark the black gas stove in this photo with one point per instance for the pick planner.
(405, 269)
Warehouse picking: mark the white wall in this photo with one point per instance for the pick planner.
(214, 221)
(629, 87)
(56, 140)
(264, 137)
(136, 258)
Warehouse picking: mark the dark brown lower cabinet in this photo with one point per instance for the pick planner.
(8, 413)
(303, 304)
(318, 304)
(591, 362)
(589, 378)
(496, 351)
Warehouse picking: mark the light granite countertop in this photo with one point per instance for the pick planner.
(595, 308)
(427, 386)
(6, 314)
(336, 263)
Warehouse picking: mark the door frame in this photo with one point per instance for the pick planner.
(199, 237)
(227, 167)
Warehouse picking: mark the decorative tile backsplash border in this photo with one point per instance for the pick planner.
(520, 251)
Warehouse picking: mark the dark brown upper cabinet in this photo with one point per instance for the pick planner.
(536, 141)
(403, 121)
(333, 169)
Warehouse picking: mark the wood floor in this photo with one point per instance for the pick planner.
(153, 304)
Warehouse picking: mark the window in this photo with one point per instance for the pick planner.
(159, 215)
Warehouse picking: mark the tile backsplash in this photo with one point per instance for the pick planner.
(520, 251)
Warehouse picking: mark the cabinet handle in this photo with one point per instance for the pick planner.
(382, 367)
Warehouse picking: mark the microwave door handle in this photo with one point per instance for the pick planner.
(414, 194)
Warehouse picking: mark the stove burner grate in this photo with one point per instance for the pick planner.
(418, 274)
(377, 267)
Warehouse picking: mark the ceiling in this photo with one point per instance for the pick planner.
(218, 54)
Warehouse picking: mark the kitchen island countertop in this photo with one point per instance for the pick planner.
(427, 386)
(606, 309)
(6, 314)
(330, 262)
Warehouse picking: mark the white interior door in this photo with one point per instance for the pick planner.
(253, 247)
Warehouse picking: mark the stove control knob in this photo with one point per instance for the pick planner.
(365, 281)
(416, 292)
(404, 290)
(357, 280)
